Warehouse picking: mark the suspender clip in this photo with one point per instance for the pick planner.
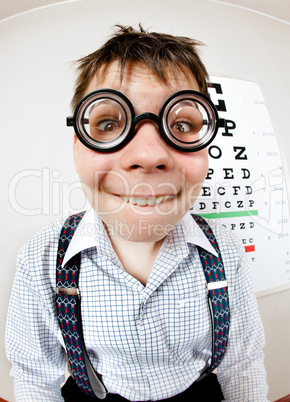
(217, 285)
(69, 292)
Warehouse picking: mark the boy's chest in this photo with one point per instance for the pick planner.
(120, 314)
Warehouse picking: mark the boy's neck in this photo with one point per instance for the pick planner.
(137, 258)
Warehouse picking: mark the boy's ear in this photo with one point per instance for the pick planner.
(75, 151)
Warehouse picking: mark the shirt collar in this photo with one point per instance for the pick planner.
(194, 234)
(86, 234)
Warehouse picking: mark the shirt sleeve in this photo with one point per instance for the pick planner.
(241, 374)
(32, 337)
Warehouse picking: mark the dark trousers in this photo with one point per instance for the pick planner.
(206, 390)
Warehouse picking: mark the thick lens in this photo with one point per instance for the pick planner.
(103, 120)
(186, 121)
(189, 121)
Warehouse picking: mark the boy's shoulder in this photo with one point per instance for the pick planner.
(230, 245)
(48, 233)
(223, 233)
(232, 251)
(42, 245)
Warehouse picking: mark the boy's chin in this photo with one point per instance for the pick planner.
(139, 231)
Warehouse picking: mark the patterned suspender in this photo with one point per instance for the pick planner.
(69, 311)
(68, 304)
(218, 298)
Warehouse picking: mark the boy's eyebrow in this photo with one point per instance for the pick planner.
(100, 102)
(189, 102)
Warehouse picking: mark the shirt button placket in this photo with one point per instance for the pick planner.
(142, 343)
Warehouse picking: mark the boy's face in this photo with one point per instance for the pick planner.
(141, 191)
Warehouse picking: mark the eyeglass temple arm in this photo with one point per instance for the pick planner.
(220, 122)
(70, 121)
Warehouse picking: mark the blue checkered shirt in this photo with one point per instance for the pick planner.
(148, 342)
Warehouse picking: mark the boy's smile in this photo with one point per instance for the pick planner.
(141, 201)
(147, 180)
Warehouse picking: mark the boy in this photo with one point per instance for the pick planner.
(142, 122)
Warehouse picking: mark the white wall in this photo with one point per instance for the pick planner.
(36, 86)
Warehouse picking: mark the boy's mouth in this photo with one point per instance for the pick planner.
(151, 201)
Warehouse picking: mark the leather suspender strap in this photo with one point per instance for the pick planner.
(69, 314)
(69, 311)
(218, 297)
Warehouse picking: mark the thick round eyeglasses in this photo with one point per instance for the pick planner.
(105, 121)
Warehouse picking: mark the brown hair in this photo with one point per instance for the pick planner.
(157, 51)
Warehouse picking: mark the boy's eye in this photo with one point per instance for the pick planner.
(104, 120)
(107, 125)
(185, 121)
(182, 127)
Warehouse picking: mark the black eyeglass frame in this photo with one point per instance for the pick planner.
(132, 120)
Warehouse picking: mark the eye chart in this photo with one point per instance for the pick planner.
(244, 188)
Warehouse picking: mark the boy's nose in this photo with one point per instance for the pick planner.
(147, 151)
